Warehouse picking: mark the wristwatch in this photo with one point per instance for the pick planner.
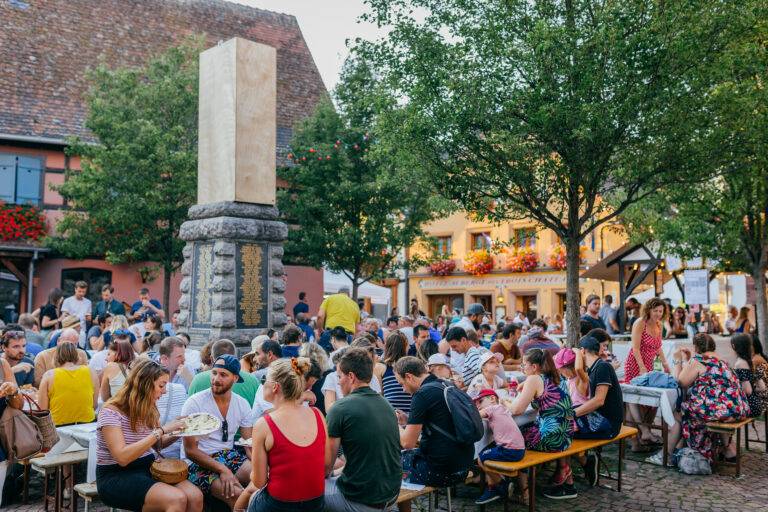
(676, 362)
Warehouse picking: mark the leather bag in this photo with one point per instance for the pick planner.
(19, 436)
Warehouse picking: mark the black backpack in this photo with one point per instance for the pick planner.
(466, 418)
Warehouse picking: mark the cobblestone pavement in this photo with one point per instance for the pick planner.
(645, 488)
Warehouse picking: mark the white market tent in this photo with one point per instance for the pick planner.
(333, 281)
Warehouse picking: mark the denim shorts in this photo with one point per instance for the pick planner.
(263, 502)
(593, 426)
(501, 454)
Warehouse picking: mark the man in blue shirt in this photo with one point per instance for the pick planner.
(291, 341)
(145, 306)
(108, 304)
(593, 309)
(303, 323)
(301, 306)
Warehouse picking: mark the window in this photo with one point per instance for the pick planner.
(481, 241)
(20, 178)
(96, 278)
(525, 238)
(444, 245)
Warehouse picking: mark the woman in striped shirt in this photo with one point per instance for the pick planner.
(128, 427)
(395, 348)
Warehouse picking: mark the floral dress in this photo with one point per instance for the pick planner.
(553, 429)
(754, 401)
(761, 373)
(714, 396)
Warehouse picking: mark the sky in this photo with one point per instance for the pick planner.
(326, 24)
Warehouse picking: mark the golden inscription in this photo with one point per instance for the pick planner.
(203, 285)
(251, 302)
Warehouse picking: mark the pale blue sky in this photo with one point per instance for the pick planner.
(326, 24)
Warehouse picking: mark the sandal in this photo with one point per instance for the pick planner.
(658, 459)
(559, 480)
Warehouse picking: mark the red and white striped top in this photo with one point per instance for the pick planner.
(110, 417)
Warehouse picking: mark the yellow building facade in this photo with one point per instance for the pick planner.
(537, 292)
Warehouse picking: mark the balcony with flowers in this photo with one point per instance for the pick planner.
(21, 223)
(521, 259)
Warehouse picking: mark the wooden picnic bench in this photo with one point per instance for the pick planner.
(731, 428)
(533, 459)
(407, 495)
(764, 441)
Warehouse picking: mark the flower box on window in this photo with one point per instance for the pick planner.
(558, 256)
(478, 262)
(21, 222)
(523, 259)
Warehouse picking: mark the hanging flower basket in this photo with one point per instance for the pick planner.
(558, 256)
(478, 262)
(441, 265)
(21, 222)
(522, 260)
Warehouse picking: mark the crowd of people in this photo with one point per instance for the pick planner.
(303, 405)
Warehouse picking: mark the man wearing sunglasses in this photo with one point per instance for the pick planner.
(216, 467)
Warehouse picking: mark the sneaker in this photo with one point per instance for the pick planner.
(491, 493)
(590, 469)
(562, 492)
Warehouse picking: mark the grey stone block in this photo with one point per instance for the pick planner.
(184, 302)
(278, 303)
(223, 266)
(186, 268)
(232, 209)
(223, 301)
(186, 285)
(278, 285)
(222, 248)
(277, 268)
(223, 284)
(223, 319)
(277, 251)
(187, 251)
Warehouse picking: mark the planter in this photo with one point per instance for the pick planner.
(558, 256)
(21, 222)
(478, 263)
(522, 259)
(442, 266)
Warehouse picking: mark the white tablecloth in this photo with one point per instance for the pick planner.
(724, 349)
(78, 437)
(523, 419)
(663, 398)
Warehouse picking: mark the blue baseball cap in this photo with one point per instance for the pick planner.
(229, 363)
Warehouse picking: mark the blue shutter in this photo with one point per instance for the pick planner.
(28, 180)
(7, 177)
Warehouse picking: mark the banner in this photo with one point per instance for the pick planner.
(696, 286)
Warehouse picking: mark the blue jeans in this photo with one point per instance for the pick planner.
(594, 426)
(501, 454)
(263, 502)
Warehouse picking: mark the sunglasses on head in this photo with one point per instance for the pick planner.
(123, 331)
(14, 334)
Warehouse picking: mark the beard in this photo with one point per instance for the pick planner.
(221, 389)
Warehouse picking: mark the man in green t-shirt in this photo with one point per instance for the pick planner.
(202, 381)
(365, 425)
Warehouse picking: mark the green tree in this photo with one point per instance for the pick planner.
(139, 176)
(562, 111)
(354, 209)
(723, 219)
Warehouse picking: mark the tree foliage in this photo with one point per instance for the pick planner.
(723, 219)
(139, 177)
(354, 209)
(563, 111)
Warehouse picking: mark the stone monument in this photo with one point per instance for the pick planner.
(232, 285)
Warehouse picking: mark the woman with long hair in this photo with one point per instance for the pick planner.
(128, 428)
(678, 324)
(50, 314)
(646, 346)
(395, 348)
(744, 368)
(742, 322)
(116, 372)
(290, 445)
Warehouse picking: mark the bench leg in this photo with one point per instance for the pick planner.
(738, 452)
(448, 491)
(621, 456)
(746, 436)
(532, 490)
(765, 426)
(25, 491)
(664, 449)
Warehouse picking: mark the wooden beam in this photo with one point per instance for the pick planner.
(15, 271)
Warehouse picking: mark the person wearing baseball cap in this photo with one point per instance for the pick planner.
(571, 367)
(488, 378)
(510, 445)
(439, 366)
(217, 449)
(600, 417)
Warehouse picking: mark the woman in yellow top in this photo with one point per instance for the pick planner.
(69, 390)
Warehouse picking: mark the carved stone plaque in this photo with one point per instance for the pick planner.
(252, 285)
(202, 291)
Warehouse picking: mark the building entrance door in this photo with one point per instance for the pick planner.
(435, 304)
(530, 306)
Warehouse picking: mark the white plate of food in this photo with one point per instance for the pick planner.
(244, 442)
(198, 424)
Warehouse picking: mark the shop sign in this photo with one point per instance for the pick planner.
(530, 280)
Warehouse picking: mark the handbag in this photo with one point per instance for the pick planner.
(165, 469)
(44, 421)
(20, 438)
(168, 471)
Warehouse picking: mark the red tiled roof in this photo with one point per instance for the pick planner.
(45, 46)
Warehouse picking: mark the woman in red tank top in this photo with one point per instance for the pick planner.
(646, 345)
(290, 445)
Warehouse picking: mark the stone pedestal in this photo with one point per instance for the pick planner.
(232, 285)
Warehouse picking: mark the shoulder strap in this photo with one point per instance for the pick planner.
(440, 384)
(168, 405)
(122, 370)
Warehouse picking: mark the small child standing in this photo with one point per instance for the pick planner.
(510, 445)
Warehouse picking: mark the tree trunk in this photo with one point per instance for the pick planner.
(572, 290)
(761, 304)
(167, 272)
(355, 286)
